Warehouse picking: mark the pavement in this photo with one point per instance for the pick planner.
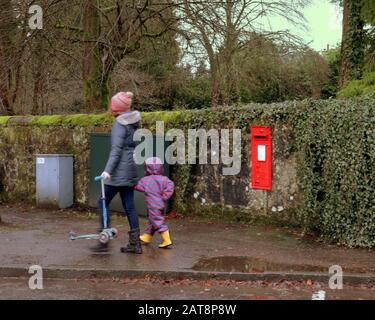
(202, 250)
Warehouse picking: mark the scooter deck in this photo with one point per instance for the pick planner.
(104, 236)
(74, 236)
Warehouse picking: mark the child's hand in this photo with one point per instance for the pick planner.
(139, 187)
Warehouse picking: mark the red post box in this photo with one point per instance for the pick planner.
(261, 156)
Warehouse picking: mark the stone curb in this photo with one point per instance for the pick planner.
(80, 273)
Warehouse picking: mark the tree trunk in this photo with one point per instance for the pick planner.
(38, 74)
(9, 67)
(353, 44)
(92, 66)
(214, 86)
(344, 45)
(230, 90)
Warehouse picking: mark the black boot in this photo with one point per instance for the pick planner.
(100, 247)
(134, 245)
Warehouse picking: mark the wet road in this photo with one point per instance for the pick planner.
(145, 289)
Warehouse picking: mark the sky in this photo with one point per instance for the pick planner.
(324, 21)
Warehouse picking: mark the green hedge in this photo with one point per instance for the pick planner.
(335, 145)
(335, 141)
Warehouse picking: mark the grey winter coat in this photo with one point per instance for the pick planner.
(121, 165)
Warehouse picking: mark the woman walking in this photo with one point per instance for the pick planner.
(120, 175)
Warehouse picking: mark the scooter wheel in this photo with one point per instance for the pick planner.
(114, 232)
(104, 238)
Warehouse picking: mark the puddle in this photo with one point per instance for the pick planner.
(246, 264)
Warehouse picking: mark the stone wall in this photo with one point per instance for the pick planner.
(232, 195)
(20, 143)
(206, 190)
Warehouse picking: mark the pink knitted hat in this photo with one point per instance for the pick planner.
(121, 101)
(154, 166)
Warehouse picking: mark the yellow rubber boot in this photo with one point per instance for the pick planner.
(146, 238)
(166, 240)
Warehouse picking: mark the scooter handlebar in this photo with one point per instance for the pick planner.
(98, 178)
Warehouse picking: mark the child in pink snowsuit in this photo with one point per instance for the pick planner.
(157, 189)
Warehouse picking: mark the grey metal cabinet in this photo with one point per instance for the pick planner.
(54, 180)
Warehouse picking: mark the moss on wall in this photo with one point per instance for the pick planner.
(4, 120)
(86, 120)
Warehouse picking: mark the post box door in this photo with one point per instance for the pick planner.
(261, 156)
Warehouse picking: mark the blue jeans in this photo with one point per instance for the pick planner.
(127, 199)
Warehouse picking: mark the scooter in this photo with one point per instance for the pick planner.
(107, 233)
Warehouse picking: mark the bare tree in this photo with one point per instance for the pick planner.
(12, 45)
(26, 56)
(219, 29)
(80, 41)
(110, 31)
(84, 43)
